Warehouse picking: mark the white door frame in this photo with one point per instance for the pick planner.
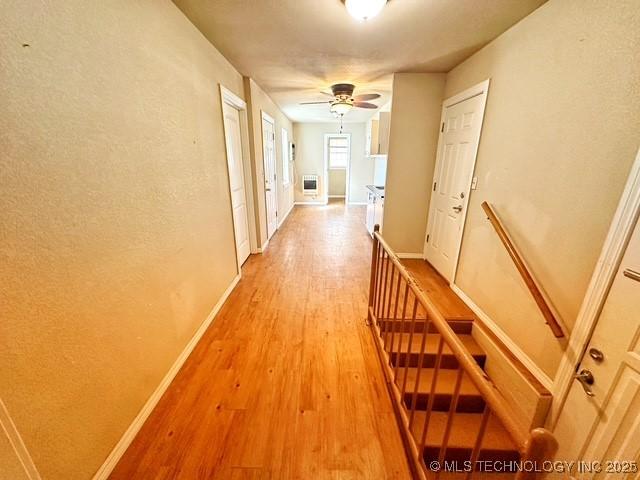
(326, 165)
(268, 118)
(482, 89)
(608, 263)
(233, 100)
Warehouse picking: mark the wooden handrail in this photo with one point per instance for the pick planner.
(535, 446)
(479, 378)
(538, 296)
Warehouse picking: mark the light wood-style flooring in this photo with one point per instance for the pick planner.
(286, 383)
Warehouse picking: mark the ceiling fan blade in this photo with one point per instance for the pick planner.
(313, 103)
(364, 105)
(366, 96)
(328, 94)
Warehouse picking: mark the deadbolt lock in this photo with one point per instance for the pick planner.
(596, 354)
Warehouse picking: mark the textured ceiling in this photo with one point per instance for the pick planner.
(295, 48)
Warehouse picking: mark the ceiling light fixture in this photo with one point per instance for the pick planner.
(341, 107)
(364, 9)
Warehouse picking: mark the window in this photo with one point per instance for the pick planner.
(338, 152)
(285, 157)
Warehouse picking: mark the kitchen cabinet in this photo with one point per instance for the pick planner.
(378, 135)
(384, 127)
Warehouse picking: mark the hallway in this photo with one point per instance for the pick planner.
(286, 383)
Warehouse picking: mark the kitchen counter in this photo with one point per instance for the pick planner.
(378, 191)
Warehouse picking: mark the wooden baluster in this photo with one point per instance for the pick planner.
(406, 357)
(404, 313)
(452, 413)
(387, 312)
(381, 267)
(392, 326)
(374, 272)
(432, 393)
(384, 289)
(475, 453)
(414, 398)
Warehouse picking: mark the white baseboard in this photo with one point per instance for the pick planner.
(114, 457)
(410, 255)
(536, 371)
(263, 247)
(357, 203)
(311, 202)
(286, 215)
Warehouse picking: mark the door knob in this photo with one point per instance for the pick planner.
(585, 377)
(457, 208)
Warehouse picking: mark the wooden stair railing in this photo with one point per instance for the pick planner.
(539, 297)
(447, 408)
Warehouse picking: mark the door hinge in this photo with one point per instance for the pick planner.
(434, 186)
(427, 238)
(442, 128)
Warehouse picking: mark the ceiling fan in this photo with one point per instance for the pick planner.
(344, 100)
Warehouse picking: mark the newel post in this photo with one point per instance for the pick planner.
(374, 267)
(540, 447)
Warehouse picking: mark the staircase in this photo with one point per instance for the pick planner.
(404, 354)
(454, 422)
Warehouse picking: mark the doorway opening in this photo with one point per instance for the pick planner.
(337, 161)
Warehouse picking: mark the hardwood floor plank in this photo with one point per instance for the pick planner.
(286, 383)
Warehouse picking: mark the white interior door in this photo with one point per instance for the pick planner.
(233, 140)
(457, 147)
(606, 426)
(270, 178)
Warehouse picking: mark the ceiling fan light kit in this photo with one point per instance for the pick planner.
(344, 100)
(364, 9)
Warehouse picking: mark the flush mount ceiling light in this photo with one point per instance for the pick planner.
(364, 9)
(341, 107)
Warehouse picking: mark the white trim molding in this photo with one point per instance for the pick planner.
(107, 467)
(536, 371)
(232, 99)
(280, 222)
(17, 444)
(622, 225)
(411, 255)
(263, 247)
(268, 118)
(312, 202)
(357, 203)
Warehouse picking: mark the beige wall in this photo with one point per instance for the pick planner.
(413, 141)
(560, 134)
(337, 182)
(310, 159)
(116, 235)
(258, 102)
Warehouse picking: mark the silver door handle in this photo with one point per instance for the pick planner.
(585, 377)
(457, 208)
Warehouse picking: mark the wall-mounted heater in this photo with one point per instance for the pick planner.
(310, 184)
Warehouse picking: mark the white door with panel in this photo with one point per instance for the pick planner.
(233, 140)
(602, 410)
(457, 147)
(270, 178)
